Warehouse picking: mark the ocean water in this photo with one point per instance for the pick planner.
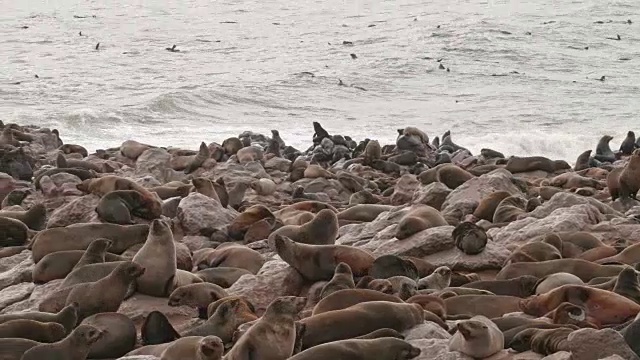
(522, 80)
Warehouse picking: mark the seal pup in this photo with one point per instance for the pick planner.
(384, 348)
(32, 330)
(273, 336)
(583, 161)
(275, 135)
(76, 346)
(342, 279)
(478, 337)
(420, 218)
(198, 295)
(263, 186)
(470, 238)
(322, 230)
(118, 206)
(67, 317)
(438, 280)
(158, 257)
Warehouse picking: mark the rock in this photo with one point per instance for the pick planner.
(183, 257)
(139, 357)
(277, 163)
(15, 293)
(433, 195)
(196, 242)
(405, 189)
(138, 307)
(565, 200)
(436, 349)
(575, 218)
(275, 278)
(16, 269)
(428, 330)
(424, 243)
(463, 200)
(197, 212)
(560, 355)
(492, 258)
(157, 163)
(233, 173)
(38, 293)
(591, 344)
(148, 181)
(359, 234)
(79, 210)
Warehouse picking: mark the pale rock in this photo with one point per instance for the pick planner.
(16, 269)
(276, 278)
(15, 293)
(138, 307)
(566, 200)
(433, 195)
(195, 242)
(404, 190)
(79, 210)
(148, 181)
(232, 172)
(436, 349)
(591, 344)
(575, 218)
(31, 303)
(424, 243)
(63, 178)
(157, 163)
(197, 212)
(184, 261)
(277, 163)
(464, 199)
(357, 234)
(427, 330)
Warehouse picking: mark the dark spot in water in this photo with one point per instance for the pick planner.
(629, 22)
(358, 87)
(353, 56)
(528, 33)
(228, 22)
(548, 22)
(505, 32)
(624, 59)
(97, 46)
(37, 77)
(448, 70)
(25, 27)
(308, 73)
(438, 27)
(17, 83)
(602, 78)
(276, 23)
(371, 25)
(439, 60)
(347, 43)
(340, 83)
(441, 67)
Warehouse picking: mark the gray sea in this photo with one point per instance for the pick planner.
(523, 75)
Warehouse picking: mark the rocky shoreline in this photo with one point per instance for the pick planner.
(422, 220)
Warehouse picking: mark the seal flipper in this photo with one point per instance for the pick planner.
(157, 329)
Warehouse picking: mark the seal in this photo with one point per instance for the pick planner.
(387, 266)
(13, 232)
(532, 163)
(157, 329)
(34, 218)
(402, 286)
(239, 226)
(583, 160)
(274, 334)
(15, 197)
(603, 151)
(205, 187)
(318, 262)
(249, 153)
(359, 319)
(583, 269)
(542, 341)
(420, 218)
(133, 149)
(470, 238)
(106, 294)
(203, 155)
(567, 313)
(197, 295)
(342, 279)
(431, 303)
(13, 348)
(478, 337)
(453, 176)
(627, 284)
(106, 184)
(63, 162)
(363, 212)
(550, 282)
(509, 209)
(74, 346)
(80, 236)
(33, 330)
(263, 186)
(74, 149)
(59, 264)
(628, 144)
(606, 307)
(385, 348)
(522, 286)
(231, 255)
(549, 248)
(487, 305)
(118, 335)
(232, 145)
(168, 192)
(222, 276)
(438, 280)
(225, 320)
(628, 180)
(343, 299)
(67, 317)
(322, 230)
(118, 206)
(488, 205)
(158, 257)
(194, 347)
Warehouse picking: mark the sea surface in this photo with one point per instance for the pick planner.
(523, 75)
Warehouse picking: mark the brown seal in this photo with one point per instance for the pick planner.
(194, 347)
(582, 162)
(387, 266)
(421, 217)
(343, 299)
(541, 341)
(133, 149)
(198, 160)
(571, 314)
(33, 330)
(628, 180)
(72, 148)
(34, 218)
(80, 236)
(274, 334)
(225, 320)
(488, 305)
(158, 257)
(15, 197)
(59, 264)
(585, 270)
(243, 222)
(314, 171)
(318, 262)
(13, 232)
(229, 255)
(453, 176)
(372, 152)
(63, 162)
(556, 280)
(385, 348)
(550, 248)
(363, 212)
(627, 284)
(630, 255)
(118, 335)
(197, 295)
(223, 276)
(570, 180)
(232, 145)
(67, 317)
(342, 279)
(532, 163)
(360, 319)
(106, 184)
(263, 186)
(402, 286)
(509, 209)
(105, 295)
(522, 286)
(249, 154)
(14, 348)
(439, 279)
(74, 346)
(470, 238)
(431, 303)
(477, 337)
(119, 206)
(157, 329)
(167, 192)
(604, 306)
(205, 187)
(322, 230)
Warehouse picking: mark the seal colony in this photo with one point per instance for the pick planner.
(251, 249)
